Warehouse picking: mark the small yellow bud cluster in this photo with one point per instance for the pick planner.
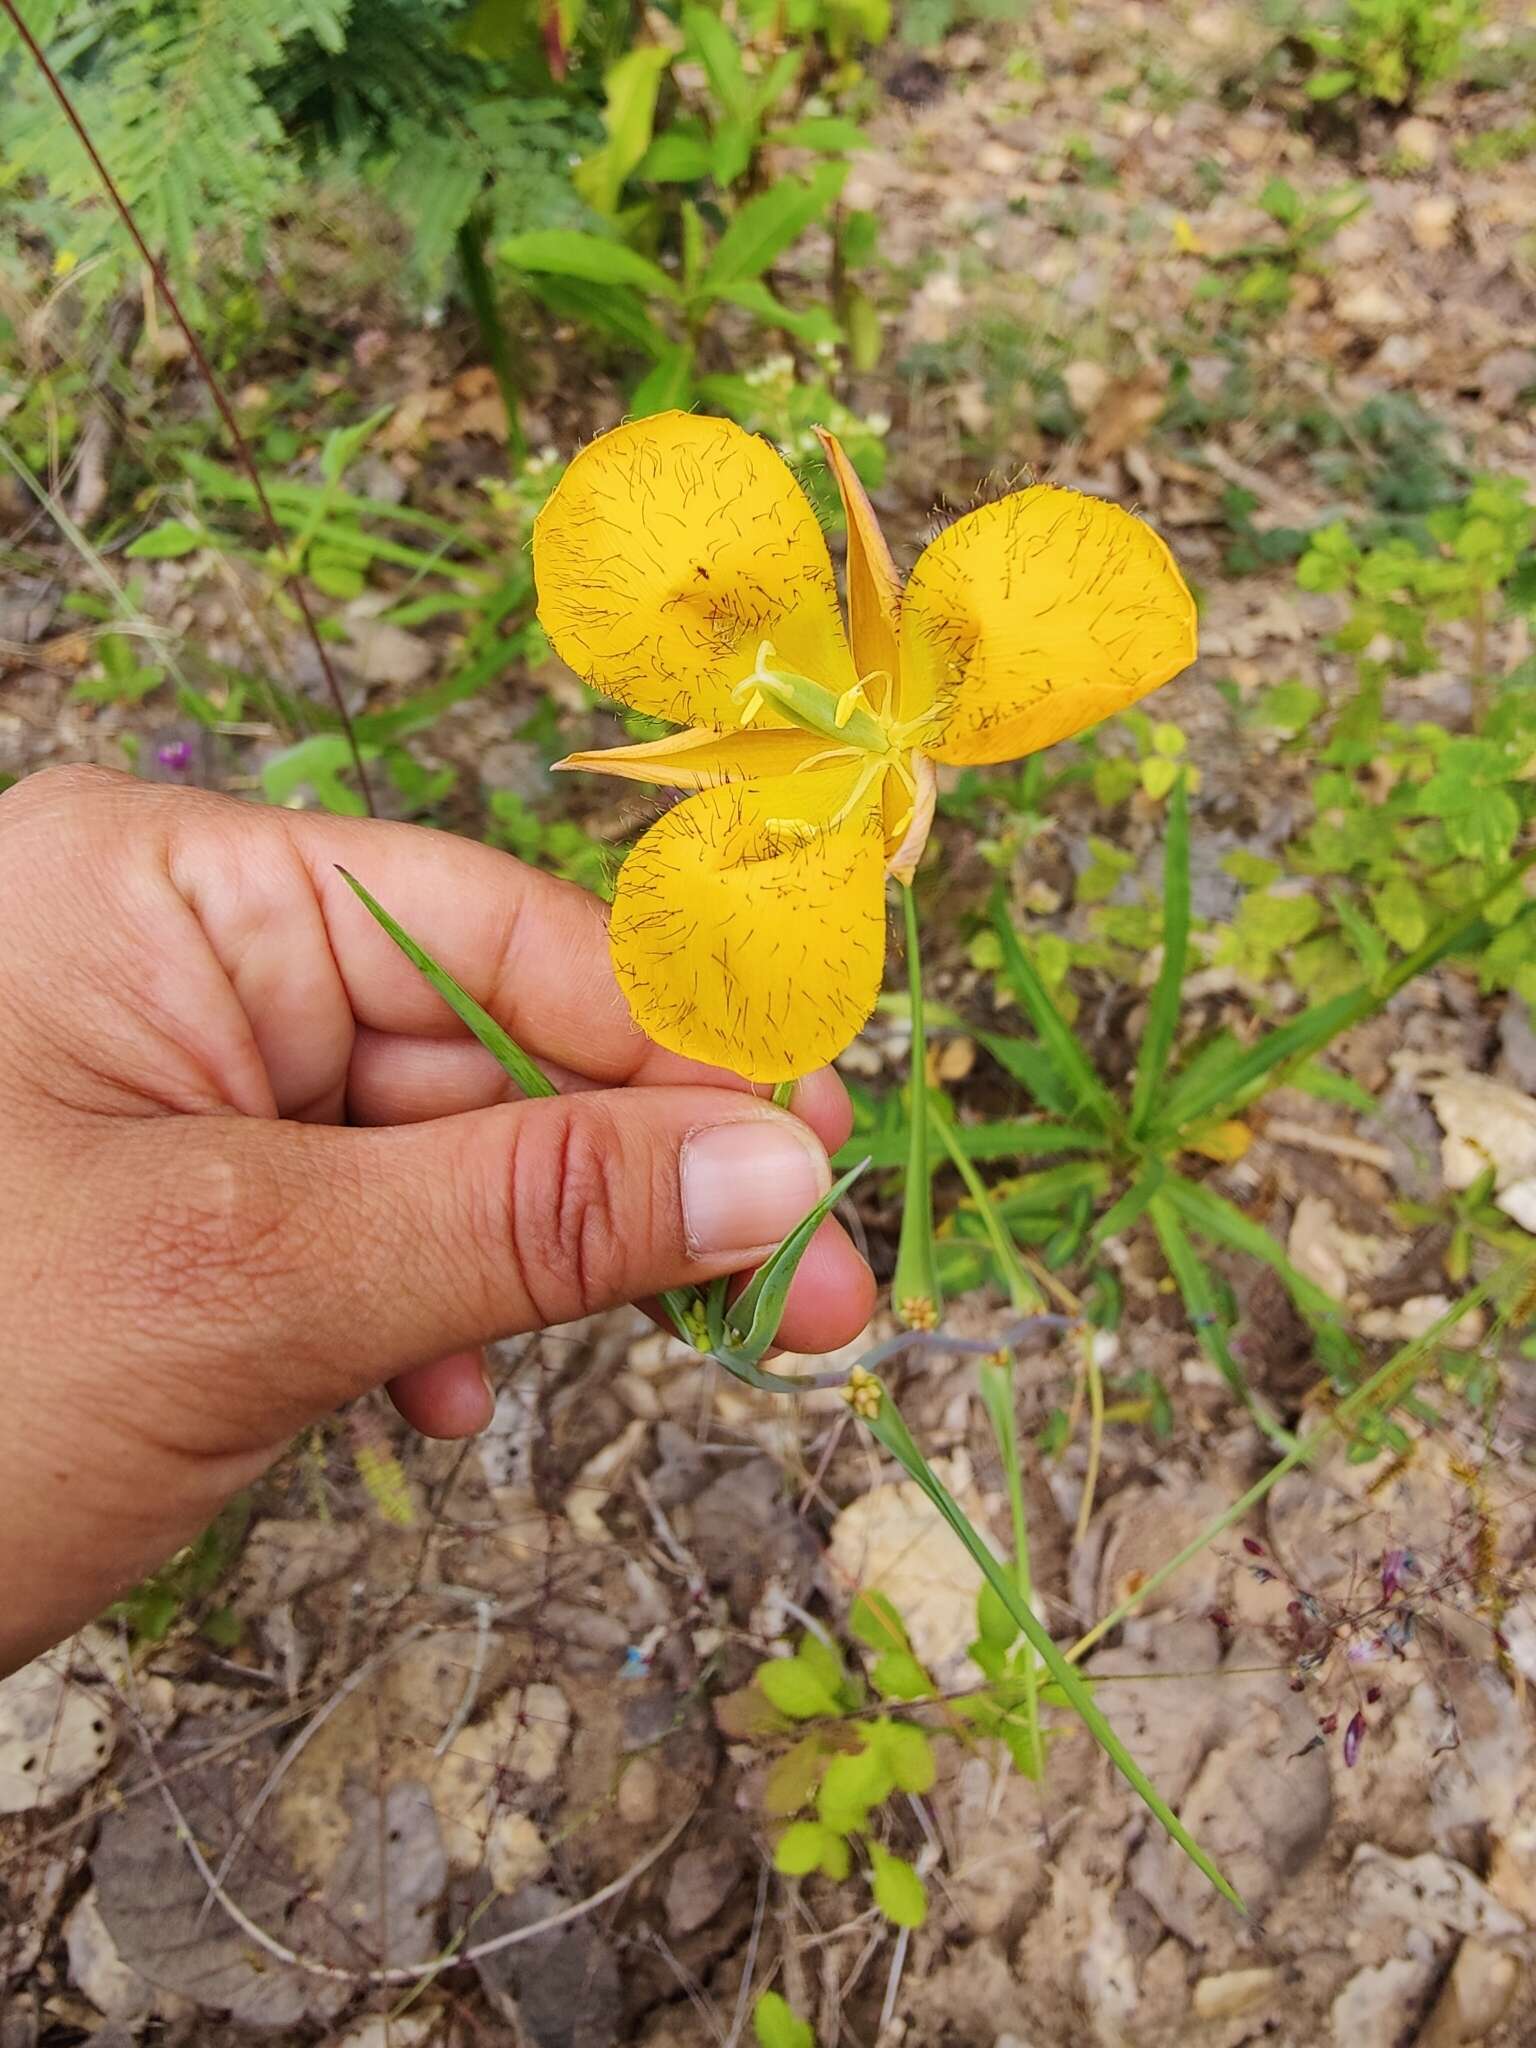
(863, 1393)
(918, 1312)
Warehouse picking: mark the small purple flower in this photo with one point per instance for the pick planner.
(175, 757)
(1392, 1568)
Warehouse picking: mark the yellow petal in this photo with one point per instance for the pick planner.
(670, 550)
(874, 588)
(702, 758)
(1033, 618)
(749, 931)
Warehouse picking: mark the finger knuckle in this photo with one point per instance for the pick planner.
(573, 1212)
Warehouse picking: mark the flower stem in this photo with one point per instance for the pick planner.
(915, 1292)
(997, 1399)
(783, 1094)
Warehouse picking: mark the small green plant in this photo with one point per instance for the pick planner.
(1410, 820)
(777, 2025)
(186, 1589)
(1387, 50)
(1255, 281)
(847, 1762)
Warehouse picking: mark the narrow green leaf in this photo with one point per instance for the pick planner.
(1224, 1086)
(719, 54)
(1090, 1097)
(630, 84)
(752, 1321)
(1198, 1290)
(888, 1429)
(565, 252)
(1163, 1010)
(1214, 1217)
(667, 386)
(502, 1048)
(763, 228)
(809, 324)
(166, 542)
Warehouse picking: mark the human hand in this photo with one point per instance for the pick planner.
(196, 1260)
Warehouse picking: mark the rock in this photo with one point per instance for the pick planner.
(99, 1972)
(1477, 1995)
(892, 1540)
(702, 1880)
(1487, 1124)
(1376, 2006)
(381, 653)
(639, 1794)
(1432, 222)
(561, 1987)
(1233, 1992)
(54, 1735)
(1417, 141)
(1372, 309)
(1430, 1894)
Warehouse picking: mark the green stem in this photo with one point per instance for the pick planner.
(915, 1293)
(481, 293)
(888, 1429)
(997, 1399)
(783, 1094)
(1022, 1291)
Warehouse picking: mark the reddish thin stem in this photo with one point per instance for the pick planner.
(238, 441)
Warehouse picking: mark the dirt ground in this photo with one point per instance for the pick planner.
(484, 1726)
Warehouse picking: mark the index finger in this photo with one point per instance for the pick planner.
(532, 949)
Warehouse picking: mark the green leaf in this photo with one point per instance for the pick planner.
(764, 227)
(678, 156)
(566, 253)
(820, 1658)
(630, 85)
(316, 763)
(897, 1675)
(508, 1054)
(908, 1754)
(777, 2025)
(796, 1690)
(994, 1619)
(1089, 1096)
(874, 1622)
(807, 1845)
(718, 52)
(1163, 1010)
(167, 542)
(828, 132)
(752, 1321)
(888, 1429)
(850, 1786)
(794, 1777)
(667, 386)
(809, 324)
(897, 1888)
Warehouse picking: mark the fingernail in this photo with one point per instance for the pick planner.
(746, 1184)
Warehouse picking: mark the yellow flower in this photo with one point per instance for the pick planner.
(682, 572)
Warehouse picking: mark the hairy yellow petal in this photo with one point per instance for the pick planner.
(749, 929)
(874, 588)
(702, 758)
(671, 549)
(1031, 619)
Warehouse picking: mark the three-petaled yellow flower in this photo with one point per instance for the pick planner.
(682, 572)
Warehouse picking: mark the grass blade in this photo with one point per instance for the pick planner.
(1163, 1010)
(1226, 1086)
(503, 1049)
(1086, 1091)
(1199, 1293)
(752, 1321)
(888, 1429)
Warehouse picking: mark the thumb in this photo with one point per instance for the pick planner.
(323, 1261)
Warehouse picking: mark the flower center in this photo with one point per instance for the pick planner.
(856, 723)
